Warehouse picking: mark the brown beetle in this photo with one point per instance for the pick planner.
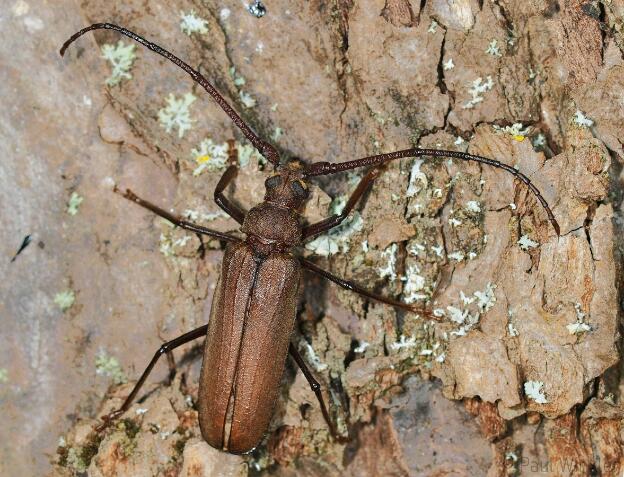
(254, 307)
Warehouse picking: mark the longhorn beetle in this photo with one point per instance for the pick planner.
(254, 306)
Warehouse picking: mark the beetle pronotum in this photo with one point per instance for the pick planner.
(254, 307)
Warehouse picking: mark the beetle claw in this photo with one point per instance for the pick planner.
(108, 419)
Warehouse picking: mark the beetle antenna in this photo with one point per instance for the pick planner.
(264, 148)
(326, 168)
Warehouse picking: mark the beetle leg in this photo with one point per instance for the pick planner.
(362, 291)
(324, 225)
(316, 387)
(131, 196)
(165, 348)
(230, 173)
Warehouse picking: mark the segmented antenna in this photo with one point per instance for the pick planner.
(326, 168)
(264, 148)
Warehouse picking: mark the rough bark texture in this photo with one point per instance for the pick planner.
(529, 331)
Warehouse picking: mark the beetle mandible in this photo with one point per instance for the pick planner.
(254, 306)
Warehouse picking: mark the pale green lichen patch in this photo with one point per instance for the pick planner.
(209, 156)
(247, 100)
(527, 243)
(109, 366)
(534, 390)
(65, 299)
(493, 49)
(74, 203)
(191, 23)
(582, 120)
(477, 89)
(176, 114)
(213, 157)
(121, 57)
(448, 65)
(462, 314)
(4, 375)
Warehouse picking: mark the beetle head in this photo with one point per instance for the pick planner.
(287, 187)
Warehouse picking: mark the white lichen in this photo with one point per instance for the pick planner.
(414, 285)
(579, 326)
(166, 246)
(539, 141)
(109, 366)
(247, 99)
(511, 456)
(438, 249)
(74, 203)
(458, 256)
(121, 57)
(513, 332)
(277, 133)
(486, 298)
(476, 91)
(403, 343)
(433, 26)
(207, 217)
(361, 347)
(457, 315)
(493, 48)
(389, 270)
(224, 14)
(257, 9)
(312, 357)
(176, 114)
(448, 65)
(65, 299)
(454, 222)
(191, 23)
(415, 249)
(209, 156)
(526, 243)
(533, 390)
(582, 120)
(473, 206)
(516, 131)
(416, 176)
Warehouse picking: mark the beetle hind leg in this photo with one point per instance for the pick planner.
(165, 348)
(316, 387)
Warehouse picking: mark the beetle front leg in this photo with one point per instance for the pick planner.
(316, 387)
(228, 176)
(165, 348)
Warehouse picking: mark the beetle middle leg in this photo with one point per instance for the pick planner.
(165, 348)
(316, 387)
(230, 173)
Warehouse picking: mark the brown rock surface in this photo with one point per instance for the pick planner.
(529, 321)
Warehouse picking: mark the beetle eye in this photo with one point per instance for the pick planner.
(299, 188)
(273, 181)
